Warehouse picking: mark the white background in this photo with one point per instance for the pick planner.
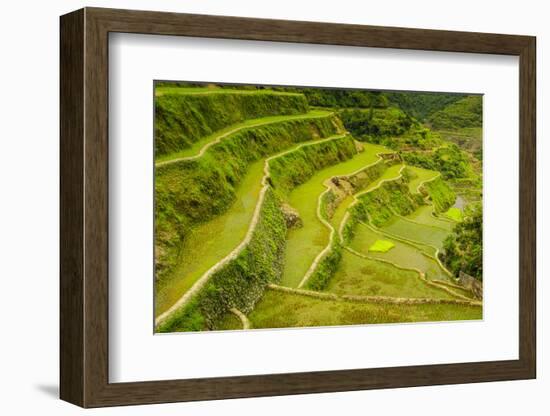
(29, 217)
(136, 355)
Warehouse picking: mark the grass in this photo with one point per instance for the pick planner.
(393, 172)
(305, 243)
(402, 254)
(229, 322)
(381, 246)
(369, 277)
(213, 90)
(419, 176)
(454, 213)
(284, 310)
(226, 133)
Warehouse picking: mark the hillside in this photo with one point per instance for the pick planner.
(270, 212)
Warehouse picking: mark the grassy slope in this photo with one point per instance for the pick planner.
(206, 90)
(305, 243)
(183, 118)
(283, 310)
(420, 176)
(228, 131)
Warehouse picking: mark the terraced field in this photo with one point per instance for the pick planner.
(270, 214)
(305, 243)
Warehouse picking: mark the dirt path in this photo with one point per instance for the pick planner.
(241, 316)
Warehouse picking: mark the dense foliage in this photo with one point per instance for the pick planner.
(441, 195)
(182, 119)
(380, 205)
(293, 169)
(463, 248)
(339, 98)
(374, 125)
(466, 112)
(421, 105)
(449, 160)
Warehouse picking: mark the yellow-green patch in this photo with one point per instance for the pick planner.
(454, 213)
(381, 246)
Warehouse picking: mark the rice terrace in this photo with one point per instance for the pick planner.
(279, 207)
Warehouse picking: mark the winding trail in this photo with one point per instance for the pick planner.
(371, 299)
(199, 148)
(241, 316)
(202, 279)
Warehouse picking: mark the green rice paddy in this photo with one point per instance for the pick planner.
(416, 232)
(283, 310)
(305, 243)
(402, 254)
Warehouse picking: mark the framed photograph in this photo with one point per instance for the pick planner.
(255, 207)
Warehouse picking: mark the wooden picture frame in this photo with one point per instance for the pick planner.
(84, 207)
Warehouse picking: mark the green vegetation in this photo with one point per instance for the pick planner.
(354, 202)
(381, 246)
(369, 277)
(463, 248)
(425, 215)
(226, 133)
(182, 119)
(466, 112)
(381, 204)
(418, 176)
(449, 160)
(242, 281)
(305, 243)
(429, 233)
(441, 195)
(375, 125)
(193, 192)
(454, 213)
(335, 98)
(283, 310)
(403, 254)
(422, 105)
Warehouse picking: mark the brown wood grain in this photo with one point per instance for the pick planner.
(84, 207)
